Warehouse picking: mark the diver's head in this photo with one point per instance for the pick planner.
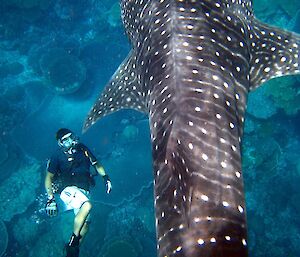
(66, 138)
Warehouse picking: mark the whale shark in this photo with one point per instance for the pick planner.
(191, 67)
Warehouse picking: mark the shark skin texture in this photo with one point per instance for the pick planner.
(191, 67)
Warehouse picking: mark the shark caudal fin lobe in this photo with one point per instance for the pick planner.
(123, 91)
(273, 53)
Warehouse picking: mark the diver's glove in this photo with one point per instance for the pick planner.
(51, 207)
(107, 183)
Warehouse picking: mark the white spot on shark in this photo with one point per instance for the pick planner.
(200, 241)
(213, 240)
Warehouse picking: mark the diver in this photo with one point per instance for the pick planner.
(68, 173)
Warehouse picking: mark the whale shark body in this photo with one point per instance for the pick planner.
(191, 67)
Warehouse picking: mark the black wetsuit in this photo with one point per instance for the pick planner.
(72, 169)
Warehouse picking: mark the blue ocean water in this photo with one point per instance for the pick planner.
(55, 58)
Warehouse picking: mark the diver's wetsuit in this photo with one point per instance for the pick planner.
(72, 169)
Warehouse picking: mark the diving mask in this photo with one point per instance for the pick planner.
(67, 141)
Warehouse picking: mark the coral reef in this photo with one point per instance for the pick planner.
(284, 93)
(130, 133)
(276, 15)
(51, 243)
(13, 68)
(271, 182)
(3, 152)
(60, 68)
(130, 228)
(65, 72)
(95, 238)
(114, 15)
(27, 4)
(18, 102)
(25, 230)
(18, 191)
(10, 157)
(120, 246)
(250, 125)
(12, 112)
(254, 156)
(260, 105)
(294, 24)
(71, 10)
(4, 238)
(290, 7)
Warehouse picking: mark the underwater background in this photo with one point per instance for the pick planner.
(55, 57)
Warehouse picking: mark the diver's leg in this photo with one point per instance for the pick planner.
(80, 219)
(80, 228)
(84, 231)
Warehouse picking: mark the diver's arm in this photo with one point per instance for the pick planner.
(105, 177)
(51, 206)
(48, 184)
(99, 168)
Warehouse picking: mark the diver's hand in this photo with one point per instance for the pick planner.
(107, 183)
(51, 207)
(108, 186)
